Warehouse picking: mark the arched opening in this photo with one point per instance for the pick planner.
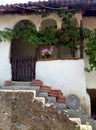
(92, 93)
(48, 23)
(68, 49)
(52, 25)
(22, 54)
(74, 22)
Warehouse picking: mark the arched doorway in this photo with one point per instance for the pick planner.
(22, 55)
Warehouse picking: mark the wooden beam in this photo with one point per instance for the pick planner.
(81, 40)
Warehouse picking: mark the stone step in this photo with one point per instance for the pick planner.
(84, 127)
(36, 88)
(77, 120)
(43, 94)
(17, 83)
(22, 88)
(21, 91)
(51, 100)
(60, 106)
(74, 113)
(85, 119)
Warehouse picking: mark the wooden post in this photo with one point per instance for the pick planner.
(81, 40)
(37, 54)
(73, 50)
(59, 44)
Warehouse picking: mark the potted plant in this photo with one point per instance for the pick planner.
(47, 53)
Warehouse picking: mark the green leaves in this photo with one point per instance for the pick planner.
(49, 35)
(6, 35)
(91, 49)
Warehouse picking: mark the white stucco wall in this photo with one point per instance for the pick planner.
(5, 66)
(10, 21)
(66, 75)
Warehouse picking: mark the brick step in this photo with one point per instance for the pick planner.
(55, 93)
(44, 88)
(7, 83)
(37, 82)
(61, 99)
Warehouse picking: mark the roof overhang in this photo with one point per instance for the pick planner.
(54, 5)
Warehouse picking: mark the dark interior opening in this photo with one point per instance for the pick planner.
(92, 94)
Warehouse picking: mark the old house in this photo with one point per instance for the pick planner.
(67, 74)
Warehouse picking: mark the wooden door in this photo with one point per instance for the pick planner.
(23, 68)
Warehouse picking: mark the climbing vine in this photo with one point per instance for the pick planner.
(68, 34)
(90, 49)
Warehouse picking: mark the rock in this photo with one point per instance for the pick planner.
(21, 113)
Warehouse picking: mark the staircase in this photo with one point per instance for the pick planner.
(48, 95)
(52, 97)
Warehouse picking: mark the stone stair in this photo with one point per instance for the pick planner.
(49, 96)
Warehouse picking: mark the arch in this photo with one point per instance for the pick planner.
(24, 23)
(18, 47)
(74, 22)
(48, 23)
(22, 54)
